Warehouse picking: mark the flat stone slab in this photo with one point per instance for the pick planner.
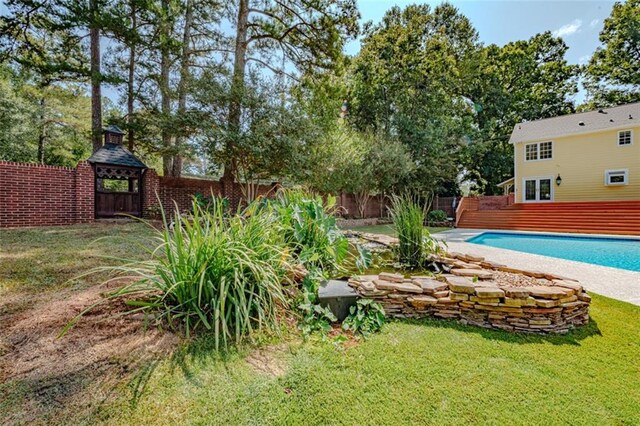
(396, 278)
(461, 285)
(572, 285)
(545, 292)
(429, 285)
(482, 274)
(402, 286)
(421, 301)
(516, 292)
(489, 292)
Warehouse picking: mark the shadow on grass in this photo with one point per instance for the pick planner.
(201, 350)
(573, 337)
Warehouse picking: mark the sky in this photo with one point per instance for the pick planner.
(499, 22)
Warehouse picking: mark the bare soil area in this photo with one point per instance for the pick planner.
(51, 372)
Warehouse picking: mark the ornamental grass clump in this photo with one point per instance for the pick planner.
(213, 272)
(415, 243)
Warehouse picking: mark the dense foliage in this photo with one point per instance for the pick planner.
(225, 273)
(437, 216)
(309, 230)
(261, 90)
(613, 73)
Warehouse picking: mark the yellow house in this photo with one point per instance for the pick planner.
(589, 156)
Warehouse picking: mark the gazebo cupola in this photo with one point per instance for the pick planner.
(118, 177)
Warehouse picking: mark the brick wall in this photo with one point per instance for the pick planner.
(39, 195)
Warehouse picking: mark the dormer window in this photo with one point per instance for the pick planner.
(538, 151)
(625, 137)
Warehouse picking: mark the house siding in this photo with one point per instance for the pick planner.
(581, 161)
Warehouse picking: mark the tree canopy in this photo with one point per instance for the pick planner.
(254, 89)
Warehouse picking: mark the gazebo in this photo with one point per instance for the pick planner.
(118, 177)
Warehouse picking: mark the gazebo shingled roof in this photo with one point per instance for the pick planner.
(114, 154)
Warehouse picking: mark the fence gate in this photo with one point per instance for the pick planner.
(117, 195)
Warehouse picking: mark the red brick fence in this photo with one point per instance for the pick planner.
(39, 195)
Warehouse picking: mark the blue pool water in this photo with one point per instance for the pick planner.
(613, 252)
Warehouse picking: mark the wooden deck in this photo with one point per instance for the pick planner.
(610, 217)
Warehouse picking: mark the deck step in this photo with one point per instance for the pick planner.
(611, 217)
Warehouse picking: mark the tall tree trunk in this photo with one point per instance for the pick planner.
(165, 63)
(237, 85)
(131, 79)
(96, 77)
(42, 135)
(183, 84)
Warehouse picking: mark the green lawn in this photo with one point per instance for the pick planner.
(389, 229)
(414, 372)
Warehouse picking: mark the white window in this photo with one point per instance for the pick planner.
(546, 150)
(531, 152)
(616, 177)
(625, 137)
(538, 151)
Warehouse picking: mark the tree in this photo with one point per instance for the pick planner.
(409, 83)
(308, 35)
(275, 135)
(522, 80)
(386, 163)
(362, 164)
(613, 73)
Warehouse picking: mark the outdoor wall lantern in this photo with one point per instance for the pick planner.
(558, 180)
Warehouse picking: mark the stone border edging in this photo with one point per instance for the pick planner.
(557, 307)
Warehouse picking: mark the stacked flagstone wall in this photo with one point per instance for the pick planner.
(471, 294)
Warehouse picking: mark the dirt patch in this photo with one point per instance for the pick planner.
(269, 360)
(105, 345)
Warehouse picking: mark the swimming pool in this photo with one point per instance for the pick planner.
(614, 252)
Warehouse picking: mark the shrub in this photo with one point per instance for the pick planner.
(415, 243)
(310, 230)
(437, 216)
(365, 317)
(212, 272)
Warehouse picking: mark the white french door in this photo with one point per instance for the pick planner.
(537, 189)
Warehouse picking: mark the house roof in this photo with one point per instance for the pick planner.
(115, 154)
(570, 124)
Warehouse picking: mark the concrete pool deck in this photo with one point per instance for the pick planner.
(611, 282)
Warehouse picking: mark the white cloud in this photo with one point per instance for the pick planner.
(568, 29)
(584, 59)
(593, 23)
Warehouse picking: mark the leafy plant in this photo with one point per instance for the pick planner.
(222, 274)
(314, 317)
(310, 230)
(415, 242)
(437, 216)
(365, 317)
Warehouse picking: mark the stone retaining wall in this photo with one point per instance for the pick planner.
(470, 295)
